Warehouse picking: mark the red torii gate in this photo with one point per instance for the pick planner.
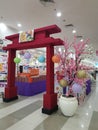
(41, 39)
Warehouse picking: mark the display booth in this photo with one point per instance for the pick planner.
(31, 82)
(41, 39)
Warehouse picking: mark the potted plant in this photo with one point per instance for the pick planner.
(71, 74)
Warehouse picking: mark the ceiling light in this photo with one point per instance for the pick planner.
(87, 114)
(86, 46)
(73, 31)
(81, 40)
(3, 27)
(90, 106)
(19, 25)
(58, 14)
(82, 125)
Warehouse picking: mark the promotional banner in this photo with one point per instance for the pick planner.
(26, 36)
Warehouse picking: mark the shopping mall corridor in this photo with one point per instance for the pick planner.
(25, 114)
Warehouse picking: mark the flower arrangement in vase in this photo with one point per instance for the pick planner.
(71, 73)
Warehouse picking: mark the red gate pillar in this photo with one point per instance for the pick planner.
(10, 89)
(50, 98)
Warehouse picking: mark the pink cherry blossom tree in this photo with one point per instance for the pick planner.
(70, 67)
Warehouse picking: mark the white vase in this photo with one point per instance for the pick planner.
(68, 105)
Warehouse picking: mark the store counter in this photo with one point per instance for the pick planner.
(26, 88)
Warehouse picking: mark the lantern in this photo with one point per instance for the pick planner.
(77, 88)
(63, 83)
(17, 60)
(81, 74)
(56, 59)
(27, 55)
(41, 59)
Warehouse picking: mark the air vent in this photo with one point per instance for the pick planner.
(69, 25)
(52, 1)
(79, 36)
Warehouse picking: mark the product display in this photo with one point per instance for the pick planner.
(31, 83)
(3, 67)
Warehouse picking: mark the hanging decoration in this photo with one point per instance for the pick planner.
(77, 88)
(81, 74)
(56, 59)
(41, 59)
(27, 55)
(17, 60)
(63, 83)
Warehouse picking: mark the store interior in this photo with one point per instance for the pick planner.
(48, 65)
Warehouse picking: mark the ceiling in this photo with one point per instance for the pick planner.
(83, 14)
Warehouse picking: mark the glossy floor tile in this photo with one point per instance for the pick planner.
(55, 122)
(3, 105)
(94, 121)
(14, 117)
(25, 113)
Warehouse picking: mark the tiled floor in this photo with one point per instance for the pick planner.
(94, 121)
(25, 113)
